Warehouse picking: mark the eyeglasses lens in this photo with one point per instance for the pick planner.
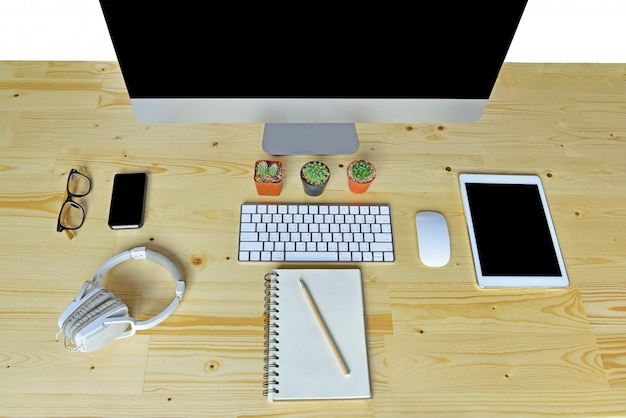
(78, 184)
(72, 215)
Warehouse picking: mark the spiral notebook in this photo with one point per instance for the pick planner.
(306, 345)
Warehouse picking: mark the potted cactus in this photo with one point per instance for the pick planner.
(268, 177)
(361, 173)
(315, 176)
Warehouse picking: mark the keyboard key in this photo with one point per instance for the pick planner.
(248, 236)
(382, 237)
(381, 246)
(248, 209)
(250, 246)
(345, 256)
(312, 256)
(247, 227)
(278, 256)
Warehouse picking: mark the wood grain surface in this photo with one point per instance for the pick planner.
(438, 345)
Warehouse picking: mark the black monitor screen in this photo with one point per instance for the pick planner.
(183, 48)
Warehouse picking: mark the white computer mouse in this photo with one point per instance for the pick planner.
(433, 239)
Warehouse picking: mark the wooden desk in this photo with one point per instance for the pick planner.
(438, 345)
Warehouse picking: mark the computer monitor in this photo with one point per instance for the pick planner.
(310, 71)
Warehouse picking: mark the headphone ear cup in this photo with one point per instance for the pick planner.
(83, 325)
(88, 311)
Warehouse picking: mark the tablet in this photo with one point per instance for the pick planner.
(513, 240)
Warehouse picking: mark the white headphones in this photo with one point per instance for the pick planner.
(96, 317)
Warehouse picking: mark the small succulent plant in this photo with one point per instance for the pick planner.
(261, 169)
(316, 172)
(272, 170)
(268, 171)
(361, 170)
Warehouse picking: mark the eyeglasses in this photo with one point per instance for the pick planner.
(72, 214)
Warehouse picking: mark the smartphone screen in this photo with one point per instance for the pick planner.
(128, 200)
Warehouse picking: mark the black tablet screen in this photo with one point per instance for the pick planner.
(511, 230)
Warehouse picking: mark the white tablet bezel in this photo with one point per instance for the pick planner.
(493, 281)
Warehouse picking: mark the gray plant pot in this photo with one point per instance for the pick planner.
(313, 189)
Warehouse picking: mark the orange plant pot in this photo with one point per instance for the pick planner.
(356, 186)
(268, 188)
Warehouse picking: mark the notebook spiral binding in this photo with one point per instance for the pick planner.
(270, 332)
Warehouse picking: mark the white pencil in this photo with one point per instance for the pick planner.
(320, 320)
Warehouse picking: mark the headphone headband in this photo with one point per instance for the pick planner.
(143, 253)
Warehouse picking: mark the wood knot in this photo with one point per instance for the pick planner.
(211, 366)
(196, 260)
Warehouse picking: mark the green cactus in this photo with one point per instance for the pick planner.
(316, 172)
(272, 170)
(361, 170)
(262, 169)
(268, 171)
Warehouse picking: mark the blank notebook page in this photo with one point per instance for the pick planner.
(306, 366)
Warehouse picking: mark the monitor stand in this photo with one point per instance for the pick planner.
(310, 138)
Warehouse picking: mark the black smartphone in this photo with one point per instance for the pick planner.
(128, 200)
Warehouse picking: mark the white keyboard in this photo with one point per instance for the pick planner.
(315, 232)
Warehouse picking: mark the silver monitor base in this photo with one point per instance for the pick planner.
(310, 138)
